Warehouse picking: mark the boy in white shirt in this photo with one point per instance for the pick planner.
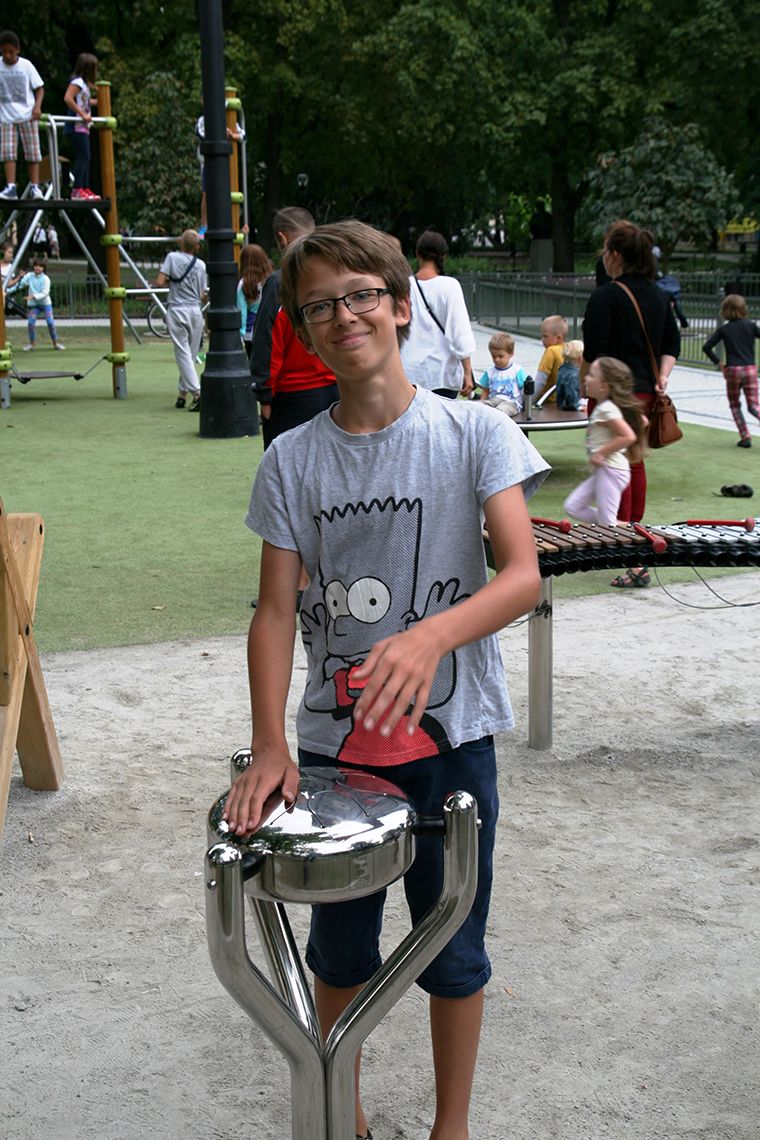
(21, 92)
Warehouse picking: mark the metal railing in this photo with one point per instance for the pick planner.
(515, 302)
(518, 302)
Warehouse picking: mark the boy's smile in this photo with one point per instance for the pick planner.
(350, 341)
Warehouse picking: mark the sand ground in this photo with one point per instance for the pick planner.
(625, 927)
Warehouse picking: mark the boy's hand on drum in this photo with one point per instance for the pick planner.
(397, 674)
(271, 770)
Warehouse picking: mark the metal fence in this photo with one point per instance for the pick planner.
(518, 302)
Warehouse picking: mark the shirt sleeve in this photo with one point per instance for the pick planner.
(458, 328)
(606, 411)
(506, 456)
(710, 344)
(268, 514)
(282, 339)
(35, 78)
(261, 343)
(242, 305)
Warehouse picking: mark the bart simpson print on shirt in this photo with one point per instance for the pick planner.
(380, 540)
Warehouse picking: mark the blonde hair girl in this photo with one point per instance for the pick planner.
(614, 436)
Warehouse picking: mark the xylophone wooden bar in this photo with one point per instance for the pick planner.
(696, 542)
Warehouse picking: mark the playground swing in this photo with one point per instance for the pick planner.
(105, 213)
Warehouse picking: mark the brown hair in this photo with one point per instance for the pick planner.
(345, 245)
(86, 67)
(502, 342)
(635, 247)
(292, 220)
(619, 379)
(734, 307)
(255, 267)
(432, 246)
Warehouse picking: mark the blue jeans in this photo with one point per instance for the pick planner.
(344, 941)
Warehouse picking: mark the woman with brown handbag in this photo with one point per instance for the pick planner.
(630, 318)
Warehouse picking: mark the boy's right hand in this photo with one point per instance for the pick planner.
(270, 770)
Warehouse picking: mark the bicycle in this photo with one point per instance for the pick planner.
(156, 318)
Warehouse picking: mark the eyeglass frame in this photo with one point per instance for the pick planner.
(385, 292)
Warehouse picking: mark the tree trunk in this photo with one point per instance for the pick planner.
(271, 203)
(563, 220)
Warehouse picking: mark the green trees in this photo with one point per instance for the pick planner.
(417, 112)
(667, 181)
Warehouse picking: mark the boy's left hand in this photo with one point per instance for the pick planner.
(399, 672)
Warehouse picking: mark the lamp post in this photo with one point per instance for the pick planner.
(228, 407)
(302, 181)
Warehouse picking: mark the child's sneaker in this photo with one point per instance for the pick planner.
(77, 193)
(91, 194)
(196, 405)
(59, 347)
(35, 191)
(28, 348)
(180, 402)
(9, 191)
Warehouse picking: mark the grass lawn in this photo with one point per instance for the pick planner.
(145, 538)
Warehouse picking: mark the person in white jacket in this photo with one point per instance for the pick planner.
(437, 353)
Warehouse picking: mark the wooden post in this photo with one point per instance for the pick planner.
(26, 722)
(231, 103)
(111, 239)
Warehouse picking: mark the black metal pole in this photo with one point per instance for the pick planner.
(228, 407)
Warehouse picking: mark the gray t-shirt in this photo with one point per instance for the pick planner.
(389, 528)
(187, 293)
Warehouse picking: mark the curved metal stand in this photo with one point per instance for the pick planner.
(322, 1077)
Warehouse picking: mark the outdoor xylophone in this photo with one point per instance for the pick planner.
(565, 548)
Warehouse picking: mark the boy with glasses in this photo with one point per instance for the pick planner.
(382, 498)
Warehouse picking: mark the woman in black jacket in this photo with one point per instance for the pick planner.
(612, 327)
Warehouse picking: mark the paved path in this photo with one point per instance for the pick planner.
(699, 393)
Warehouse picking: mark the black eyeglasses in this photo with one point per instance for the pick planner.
(362, 301)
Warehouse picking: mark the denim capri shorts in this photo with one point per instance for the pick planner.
(344, 942)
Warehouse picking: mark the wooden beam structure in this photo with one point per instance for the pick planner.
(26, 722)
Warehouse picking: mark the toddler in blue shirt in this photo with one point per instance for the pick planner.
(503, 383)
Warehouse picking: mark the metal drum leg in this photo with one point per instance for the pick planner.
(540, 671)
(225, 925)
(408, 960)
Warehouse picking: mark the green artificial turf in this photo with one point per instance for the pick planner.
(145, 539)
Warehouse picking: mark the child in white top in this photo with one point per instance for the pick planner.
(503, 383)
(616, 426)
(79, 101)
(21, 93)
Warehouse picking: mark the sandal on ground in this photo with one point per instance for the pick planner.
(736, 491)
(632, 579)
